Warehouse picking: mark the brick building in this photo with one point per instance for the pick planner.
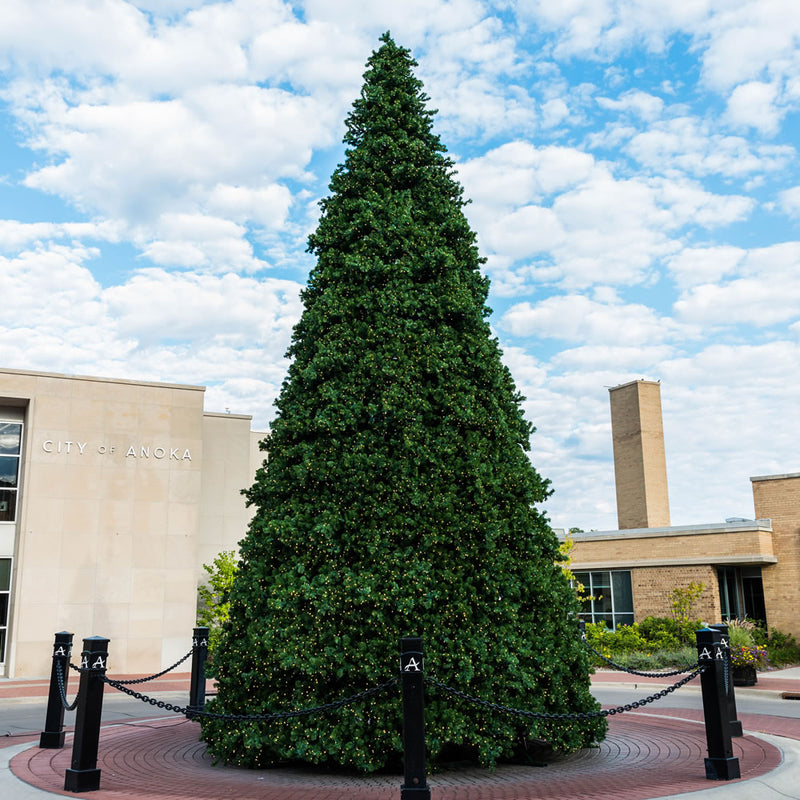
(749, 567)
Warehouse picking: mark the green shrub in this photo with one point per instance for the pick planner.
(782, 649)
(213, 607)
(658, 660)
(668, 633)
(740, 633)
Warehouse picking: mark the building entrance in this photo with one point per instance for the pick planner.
(741, 593)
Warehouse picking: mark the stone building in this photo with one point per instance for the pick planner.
(749, 567)
(113, 494)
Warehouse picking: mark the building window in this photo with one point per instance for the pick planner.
(741, 593)
(610, 597)
(10, 452)
(5, 593)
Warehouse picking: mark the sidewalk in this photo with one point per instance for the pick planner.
(648, 754)
(777, 682)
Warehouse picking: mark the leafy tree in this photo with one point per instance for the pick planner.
(214, 603)
(684, 598)
(398, 498)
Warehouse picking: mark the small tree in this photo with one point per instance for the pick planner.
(398, 498)
(684, 599)
(213, 608)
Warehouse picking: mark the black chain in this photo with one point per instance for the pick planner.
(137, 680)
(580, 715)
(158, 674)
(196, 713)
(611, 663)
(62, 690)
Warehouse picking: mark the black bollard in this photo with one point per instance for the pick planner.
(733, 718)
(720, 764)
(415, 784)
(197, 685)
(84, 776)
(53, 734)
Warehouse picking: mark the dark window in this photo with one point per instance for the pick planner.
(610, 597)
(741, 593)
(5, 593)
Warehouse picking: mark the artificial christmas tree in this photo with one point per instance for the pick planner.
(398, 497)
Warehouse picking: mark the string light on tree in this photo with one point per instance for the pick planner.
(398, 497)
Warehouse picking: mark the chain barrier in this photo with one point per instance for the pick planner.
(609, 712)
(670, 674)
(196, 714)
(62, 690)
(158, 674)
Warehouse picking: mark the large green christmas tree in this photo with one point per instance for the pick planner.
(398, 497)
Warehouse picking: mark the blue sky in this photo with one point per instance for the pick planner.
(635, 187)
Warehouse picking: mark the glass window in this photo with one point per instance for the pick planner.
(610, 597)
(5, 596)
(9, 467)
(10, 450)
(10, 438)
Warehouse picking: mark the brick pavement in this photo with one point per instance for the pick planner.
(652, 753)
(164, 760)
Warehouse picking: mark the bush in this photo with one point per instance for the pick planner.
(625, 639)
(668, 633)
(782, 648)
(680, 658)
(213, 601)
(653, 644)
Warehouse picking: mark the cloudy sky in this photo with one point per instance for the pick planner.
(632, 166)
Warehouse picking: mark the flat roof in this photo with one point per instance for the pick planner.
(783, 477)
(674, 530)
(128, 381)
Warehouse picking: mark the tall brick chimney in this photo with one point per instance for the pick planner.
(640, 466)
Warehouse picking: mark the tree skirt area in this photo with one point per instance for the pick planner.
(644, 756)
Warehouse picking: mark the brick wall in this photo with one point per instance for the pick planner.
(716, 545)
(640, 467)
(777, 497)
(652, 591)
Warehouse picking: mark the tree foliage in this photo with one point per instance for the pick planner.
(213, 608)
(398, 497)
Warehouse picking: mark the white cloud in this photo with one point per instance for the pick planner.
(753, 105)
(197, 308)
(691, 145)
(789, 201)
(16, 236)
(748, 39)
(764, 290)
(595, 228)
(640, 103)
(576, 318)
(701, 265)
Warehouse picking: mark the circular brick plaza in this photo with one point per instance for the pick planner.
(644, 756)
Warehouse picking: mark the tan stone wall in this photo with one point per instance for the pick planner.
(652, 591)
(778, 498)
(640, 467)
(108, 539)
(229, 465)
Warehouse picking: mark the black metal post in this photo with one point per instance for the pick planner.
(53, 734)
(197, 685)
(720, 764)
(412, 678)
(84, 776)
(733, 718)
